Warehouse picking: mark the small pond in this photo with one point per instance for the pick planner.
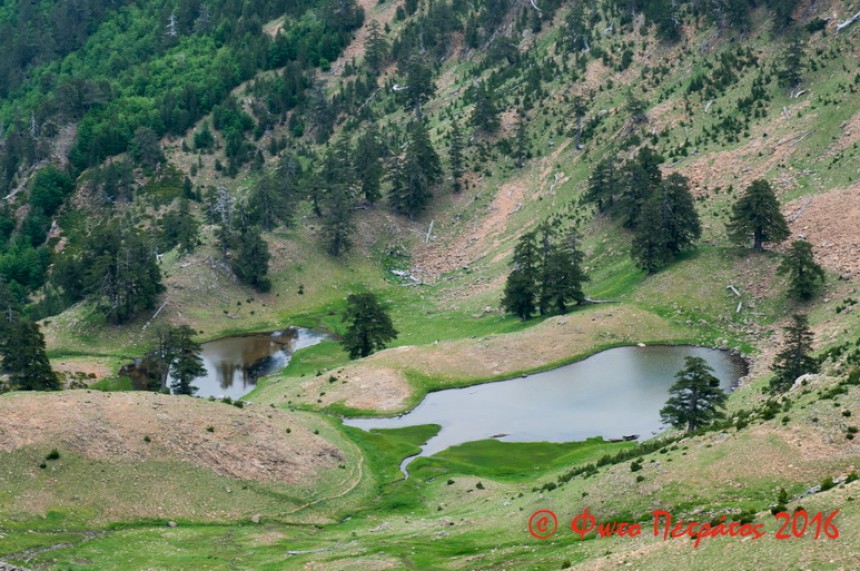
(615, 393)
(233, 364)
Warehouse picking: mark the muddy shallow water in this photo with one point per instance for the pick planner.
(233, 364)
(615, 393)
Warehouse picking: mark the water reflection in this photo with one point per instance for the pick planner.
(233, 364)
(614, 393)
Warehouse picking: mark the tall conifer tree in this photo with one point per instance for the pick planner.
(756, 214)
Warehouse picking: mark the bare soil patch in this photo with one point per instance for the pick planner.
(830, 221)
(243, 443)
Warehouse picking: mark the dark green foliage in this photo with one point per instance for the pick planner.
(782, 11)
(419, 83)
(791, 67)
(203, 139)
(115, 181)
(188, 231)
(485, 115)
(455, 154)
(337, 223)
(369, 326)
(696, 397)
(639, 179)
(668, 224)
(521, 141)
(666, 18)
(22, 347)
(414, 175)
(367, 162)
(521, 287)
(338, 176)
(250, 259)
(794, 360)
(804, 274)
(577, 28)
(561, 273)
(757, 214)
(179, 228)
(636, 106)
(144, 147)
(185, 363)
(546, 273)
(375, 46)
(115, 267)
(49, 187)
(273, 198)
(603, 184)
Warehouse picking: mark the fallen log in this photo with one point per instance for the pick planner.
(842, 25)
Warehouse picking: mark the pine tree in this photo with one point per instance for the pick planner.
(367, 162)
(805, 275)
(144, 147)
(521, 142)
(157, 361)
(186, 363)
(637, 107)
(250, 260)
(337, 222)
(668, 224)
(339, 178)
(272, 198)
(10, 306)
(578, 30)
(370, 327)
(791, 71)
(521, 287)
(564, 275)
(579, 111)
(682, 221)
(603, 184)
(757, 213)
(22, 347)
(649, 249)
(640, 178)
(121, 272)
(455, 153)
(794, 360)
(188, 231)
(414, 176)
(696, 397)
(485, 115)
(419, 84)
(375, 46)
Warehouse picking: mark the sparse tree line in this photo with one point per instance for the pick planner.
(696, 397)
(662, 216)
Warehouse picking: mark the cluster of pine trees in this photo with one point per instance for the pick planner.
(547, 273)
(661, 212)
(22, 348)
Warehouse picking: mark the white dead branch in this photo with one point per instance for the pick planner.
(842, 25)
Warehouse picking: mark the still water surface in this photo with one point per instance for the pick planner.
(233, 364)
(614, 393)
